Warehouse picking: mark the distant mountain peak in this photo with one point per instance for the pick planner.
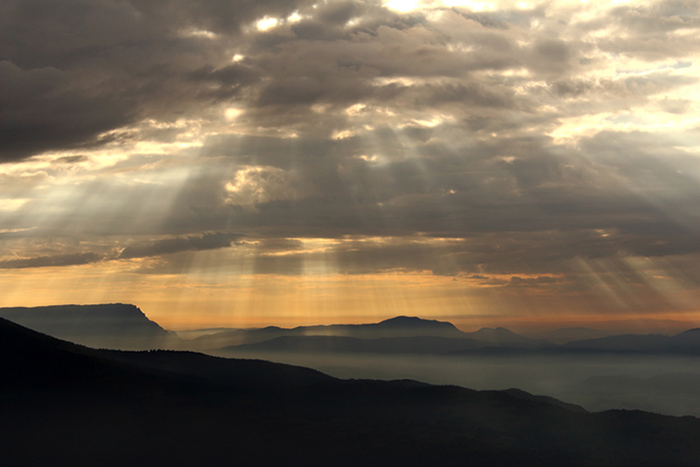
(121, 309)
(414, 321)
(117, 325)
(403, 319)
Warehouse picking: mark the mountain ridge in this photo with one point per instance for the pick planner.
(112, 325)
(125, 326)
(398, 326)
(65, 404)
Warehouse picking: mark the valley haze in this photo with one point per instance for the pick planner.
(112, 407)
(650, 372)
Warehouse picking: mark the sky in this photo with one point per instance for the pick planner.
(254, 162)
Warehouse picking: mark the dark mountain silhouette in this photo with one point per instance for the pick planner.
(484, 340)
(236, 337)
(123, 326)
(398, 327)
(114, 325)
(242, 375)
(412, 323)
(28, 357)
(687, 341)
(546, 399)
(63, 404)
(415, 335)
(673, 393)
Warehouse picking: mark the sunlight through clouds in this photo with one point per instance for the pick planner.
(472, 159)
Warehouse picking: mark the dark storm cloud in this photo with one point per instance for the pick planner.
(51, 261)
(73, 70)
(208, 241)
(45, 108)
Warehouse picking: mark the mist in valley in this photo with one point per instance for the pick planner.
(666, 384)
(651, 372)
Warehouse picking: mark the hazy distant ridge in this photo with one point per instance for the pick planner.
(125, 326)
(401, 334)
(423, 337)
(114, 325)
(400, 326)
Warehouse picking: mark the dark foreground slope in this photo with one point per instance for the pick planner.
(62, 404)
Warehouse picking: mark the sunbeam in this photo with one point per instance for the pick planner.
(491, 162)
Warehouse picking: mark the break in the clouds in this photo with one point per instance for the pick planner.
(544, 145)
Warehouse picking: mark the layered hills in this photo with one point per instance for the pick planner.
(400, 326)
(401, 334)
(123, 326)
(64, 404)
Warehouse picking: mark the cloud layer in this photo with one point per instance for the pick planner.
(546, 145)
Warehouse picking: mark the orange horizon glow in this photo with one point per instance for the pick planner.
(182, 302)
(529, 165)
